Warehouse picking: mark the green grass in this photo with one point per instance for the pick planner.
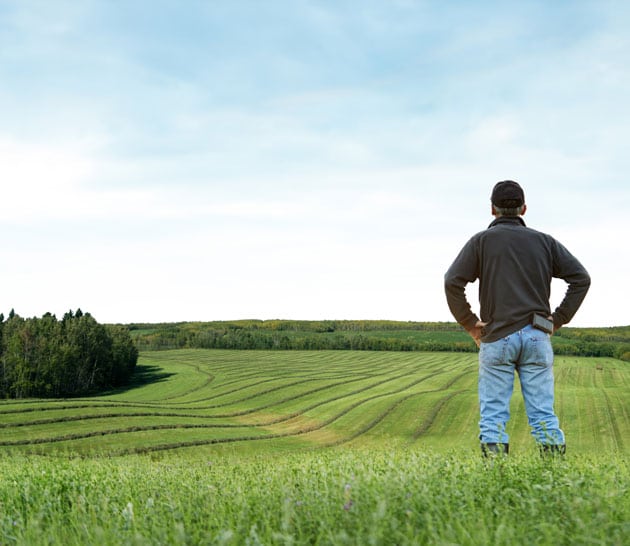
(203, 398)
(319, 447)
(334, 496)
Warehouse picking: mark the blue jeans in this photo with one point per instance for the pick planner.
(529, 353)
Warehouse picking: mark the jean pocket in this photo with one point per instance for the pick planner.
(538, 350)
(493, 354)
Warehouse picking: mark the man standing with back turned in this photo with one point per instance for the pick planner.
(515, 265)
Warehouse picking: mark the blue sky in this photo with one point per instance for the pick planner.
(168, 161)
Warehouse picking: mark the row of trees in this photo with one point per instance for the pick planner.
(358, 335)
(76, 355)
(246, 339)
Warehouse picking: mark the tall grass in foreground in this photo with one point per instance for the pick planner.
(321, 497)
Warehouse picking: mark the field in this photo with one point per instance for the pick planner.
(242, 401)
(312, 447)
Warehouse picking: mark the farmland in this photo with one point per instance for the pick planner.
(379, 335)
(283, 400)
(327, 447)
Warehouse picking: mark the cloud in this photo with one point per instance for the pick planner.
(299, 159)
(39, 180)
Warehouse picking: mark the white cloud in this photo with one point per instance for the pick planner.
(39, 181)
(330, 165)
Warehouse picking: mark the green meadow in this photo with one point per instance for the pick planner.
(312, 447)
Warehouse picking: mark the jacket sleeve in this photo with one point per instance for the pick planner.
(462, 271)
(568, 268)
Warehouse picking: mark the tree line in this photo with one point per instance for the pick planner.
(372, 335)
(246, 339)
(376, 335)
(46, 357)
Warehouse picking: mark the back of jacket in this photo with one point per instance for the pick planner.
(514, 265)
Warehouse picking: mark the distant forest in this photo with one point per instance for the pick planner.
(46, 357)
(374, 335)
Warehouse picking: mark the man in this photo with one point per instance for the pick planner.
(515, 265)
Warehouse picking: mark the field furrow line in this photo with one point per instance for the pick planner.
(613, 422)
(311, 428)
(230, 425)
(313, 391)
(305, 430)
(428, 422)
(391, 408)
(110, 432)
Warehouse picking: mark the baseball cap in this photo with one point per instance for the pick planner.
(507, 194)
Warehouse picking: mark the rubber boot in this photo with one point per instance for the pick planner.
(492, 450)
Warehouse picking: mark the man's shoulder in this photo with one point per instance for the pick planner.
(514, 234)
(477, 237)
(513, 227)
(540, 234)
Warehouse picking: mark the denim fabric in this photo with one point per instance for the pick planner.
(529, 353)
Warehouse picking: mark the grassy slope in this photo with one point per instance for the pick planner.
(335, 496)
(266, 401)
(402, 466)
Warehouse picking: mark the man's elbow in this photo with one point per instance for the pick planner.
(585, 282)
(450, 285)
(453, 282)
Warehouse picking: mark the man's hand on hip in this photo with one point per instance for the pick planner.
(476, 331)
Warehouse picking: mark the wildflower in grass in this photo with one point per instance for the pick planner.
(225, 537)
(347, 497)
(127, 514)
(80, 503)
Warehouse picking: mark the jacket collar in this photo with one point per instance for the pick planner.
(513, 220)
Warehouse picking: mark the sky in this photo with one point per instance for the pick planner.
(170, 161)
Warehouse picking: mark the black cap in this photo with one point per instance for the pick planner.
(507, 195)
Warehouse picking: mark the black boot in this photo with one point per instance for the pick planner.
(491, 450)
(552, 450)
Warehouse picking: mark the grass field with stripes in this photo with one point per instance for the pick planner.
(196, 402)
(321, 447)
